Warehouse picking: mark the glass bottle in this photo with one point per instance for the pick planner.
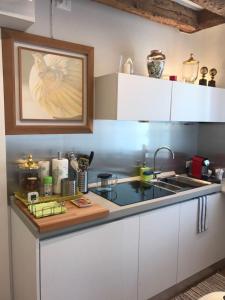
(47, 185)
(190, 69)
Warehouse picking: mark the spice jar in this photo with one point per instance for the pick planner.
(28, 176)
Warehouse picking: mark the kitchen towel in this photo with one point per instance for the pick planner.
(202, 222)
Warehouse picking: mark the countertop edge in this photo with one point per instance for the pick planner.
(119, 212)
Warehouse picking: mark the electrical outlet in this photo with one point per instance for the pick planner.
(147, 155)
(187, 164)
(63, 4)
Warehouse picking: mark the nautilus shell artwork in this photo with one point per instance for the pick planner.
(56, 83)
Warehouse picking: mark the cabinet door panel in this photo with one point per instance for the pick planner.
(143, 98)
(158, 251)
(217, 105)
(97, 263)
(190, 102)
(197, 251)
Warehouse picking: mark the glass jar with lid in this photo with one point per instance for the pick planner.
(190, 69)
(155, 63)
(28, 176)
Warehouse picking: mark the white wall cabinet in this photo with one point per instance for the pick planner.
(158, 251)
(197, 103)
(190, 103)
(17, 14)
(130, 97)
(200, 250)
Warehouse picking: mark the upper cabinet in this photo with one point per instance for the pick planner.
(197, 103)
(17, 14)
(130, 97)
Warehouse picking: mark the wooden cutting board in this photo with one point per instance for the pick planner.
(73, 216)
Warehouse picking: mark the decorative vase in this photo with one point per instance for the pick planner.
(156, 62)
(190, 69)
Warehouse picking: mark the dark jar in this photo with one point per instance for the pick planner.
(28, 176)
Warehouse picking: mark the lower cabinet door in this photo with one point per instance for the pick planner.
(99, 263)
(158, 251)
(197, 251)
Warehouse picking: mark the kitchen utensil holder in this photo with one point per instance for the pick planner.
(83, 181)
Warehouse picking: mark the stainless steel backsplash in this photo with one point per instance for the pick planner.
(212, 142)
(118, 145)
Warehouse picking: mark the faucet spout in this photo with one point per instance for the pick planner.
(156, 152)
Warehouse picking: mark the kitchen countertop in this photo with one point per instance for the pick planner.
(118, 212)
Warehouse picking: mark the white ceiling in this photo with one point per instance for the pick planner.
(189, 4)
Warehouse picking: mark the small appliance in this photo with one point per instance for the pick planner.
(199, 167)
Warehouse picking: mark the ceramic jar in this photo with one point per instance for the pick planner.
(155, 63)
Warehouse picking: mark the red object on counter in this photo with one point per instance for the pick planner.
(173, 78)
(197, 163)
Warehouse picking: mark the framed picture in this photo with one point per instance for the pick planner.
(48, 84)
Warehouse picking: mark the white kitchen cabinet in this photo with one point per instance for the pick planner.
(195, 103)
(96, 263)
(17, 14)
(200, 250)
(130, 97)
(134, 258)
(25, 261)
(158, 251)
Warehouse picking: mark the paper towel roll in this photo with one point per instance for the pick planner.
(44, 167)
(59, 171)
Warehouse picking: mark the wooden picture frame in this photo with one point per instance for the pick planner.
(48, 84)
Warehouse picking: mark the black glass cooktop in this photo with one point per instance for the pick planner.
(132, 192)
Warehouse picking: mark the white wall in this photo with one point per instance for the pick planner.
(210, 45)
(112, 33)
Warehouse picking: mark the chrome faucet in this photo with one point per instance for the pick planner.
(155, 154)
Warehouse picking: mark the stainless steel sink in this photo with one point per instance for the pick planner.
(180, 183)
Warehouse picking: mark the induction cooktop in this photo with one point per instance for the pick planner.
(132, 192)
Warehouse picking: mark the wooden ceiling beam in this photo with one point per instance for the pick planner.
(215, 6)
(207, 19)
(161, 11)
(170, 13)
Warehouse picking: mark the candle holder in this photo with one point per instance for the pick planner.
(204, 72)
(212, 73)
